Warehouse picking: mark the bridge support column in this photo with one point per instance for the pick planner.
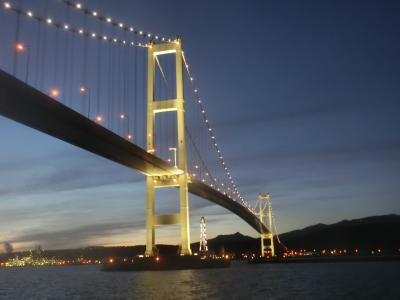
(265, 214)
(180, 180)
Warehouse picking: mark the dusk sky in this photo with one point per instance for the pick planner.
(303, 96)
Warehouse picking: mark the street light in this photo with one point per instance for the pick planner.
(54, 92)
(20, 48)
(85, 90)
(123, 117)
(173, 149)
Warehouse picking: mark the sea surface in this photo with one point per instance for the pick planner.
(350, 280)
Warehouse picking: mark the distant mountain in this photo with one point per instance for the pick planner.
(364, 234)
(377, 232)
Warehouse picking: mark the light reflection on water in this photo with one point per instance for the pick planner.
(241, 281)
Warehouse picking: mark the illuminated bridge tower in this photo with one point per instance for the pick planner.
(265, 214)
(203, 248)
(180, 181)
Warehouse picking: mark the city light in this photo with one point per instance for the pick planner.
(129, 136)
(99, 118)
(82, 89)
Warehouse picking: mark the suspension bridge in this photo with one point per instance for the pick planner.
(122, 93)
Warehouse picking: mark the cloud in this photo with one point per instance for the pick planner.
(78, 236)
(46, 175)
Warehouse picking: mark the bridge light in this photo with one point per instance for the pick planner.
(7, 5)
(54, 92)
(131, 29)
(105, 38)
(94, 13)
(82, 89)
(149, 35)
(78, 5)
(109, 20)
(29, 14)
(49, 21)
(66, 27)
(115, 40)
(80, 31)
(93, 35)
(141, 32)
(121, 25)
(122, 116)
(99, 118)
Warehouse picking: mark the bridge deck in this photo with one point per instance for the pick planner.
(26, 105)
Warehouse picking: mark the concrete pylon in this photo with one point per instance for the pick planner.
(180, 180)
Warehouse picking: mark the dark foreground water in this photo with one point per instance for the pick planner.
(371, 280)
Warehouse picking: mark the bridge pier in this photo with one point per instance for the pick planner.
(181, 179)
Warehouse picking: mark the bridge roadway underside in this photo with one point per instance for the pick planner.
(28, 106)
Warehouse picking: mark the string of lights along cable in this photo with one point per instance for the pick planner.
(95, 13)
(97, 66)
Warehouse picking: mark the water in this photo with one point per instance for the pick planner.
(371, 280)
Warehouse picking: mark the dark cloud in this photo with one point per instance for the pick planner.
(79, 236)
(49, 176)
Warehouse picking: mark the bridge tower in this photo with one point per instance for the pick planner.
(180, 180)
(265, 214)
